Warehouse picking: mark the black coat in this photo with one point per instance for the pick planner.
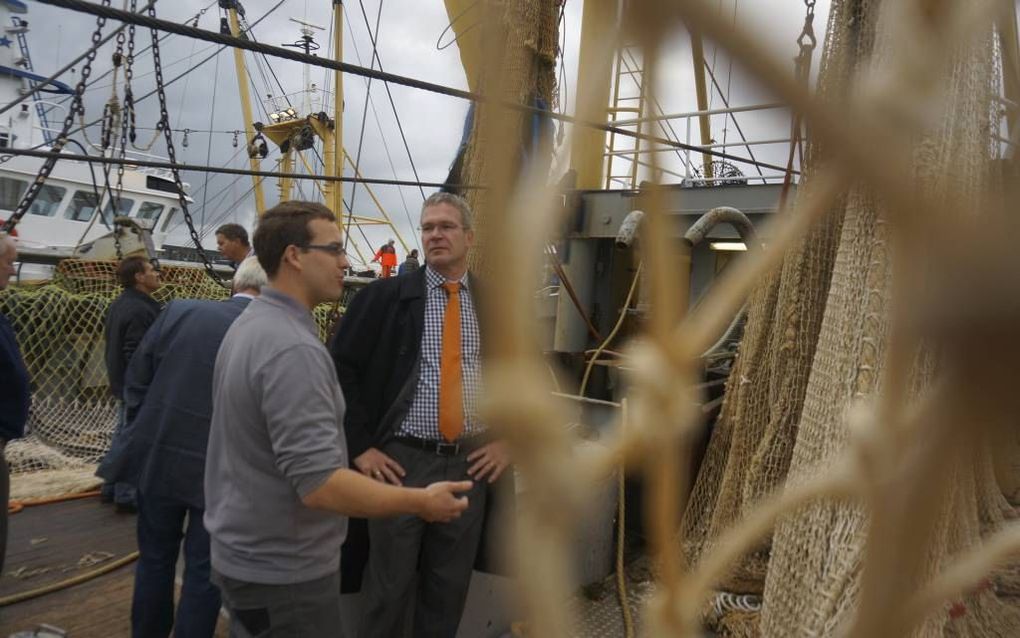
(129, 316)
(376, 350)
(15, 392)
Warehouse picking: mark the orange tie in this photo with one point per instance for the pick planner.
(451, 406)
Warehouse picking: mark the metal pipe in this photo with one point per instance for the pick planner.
(717, 145)
(720, 215)
(690, 114)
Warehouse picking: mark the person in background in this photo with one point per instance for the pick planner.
(387, 256)
(408, 356)
(277, 487)
(15, 396)
(129, 316)
(410, 264)
(232, 242)
(168, 400)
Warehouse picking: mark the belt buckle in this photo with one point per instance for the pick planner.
(447, 449)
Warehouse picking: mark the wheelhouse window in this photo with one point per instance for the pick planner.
(82, 207)
(148, 210)
(122, 210)
(11, 191)
(47, 202)
(169, 217)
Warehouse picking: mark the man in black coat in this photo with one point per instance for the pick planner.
(168, 400)
(129, 316)
(14, 390)
(411, 375)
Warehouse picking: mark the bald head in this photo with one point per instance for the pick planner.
(8, 254)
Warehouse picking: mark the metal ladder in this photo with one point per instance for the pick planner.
(19, 30)
(623, 153)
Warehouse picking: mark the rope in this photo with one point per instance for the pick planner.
(612, 334)
(70, 582)
(210, 36)
(621, 512)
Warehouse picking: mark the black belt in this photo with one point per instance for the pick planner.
(441, 448)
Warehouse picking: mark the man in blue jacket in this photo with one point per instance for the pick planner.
(168, 403)
(14, 391)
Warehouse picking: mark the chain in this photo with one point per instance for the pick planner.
(127, 125)
(806, 42)
(164, 126)
(74, 110)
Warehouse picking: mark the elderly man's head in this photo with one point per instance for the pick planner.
(8, 254)
(250, 277)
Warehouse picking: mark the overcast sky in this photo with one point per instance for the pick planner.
(207, 99)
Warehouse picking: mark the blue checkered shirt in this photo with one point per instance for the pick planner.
(422, 419)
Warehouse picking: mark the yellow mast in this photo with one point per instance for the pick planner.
(242, 86)
(698, 53)
(594, 76)
(333, 192)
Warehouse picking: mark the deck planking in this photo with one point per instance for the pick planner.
(98, 608)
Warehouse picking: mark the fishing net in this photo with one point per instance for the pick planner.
(59, 326)
(814, 573)
(752, 441)
(813, 343)
(521, 46)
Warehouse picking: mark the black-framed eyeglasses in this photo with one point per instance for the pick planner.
(443, 228)
(336, 248)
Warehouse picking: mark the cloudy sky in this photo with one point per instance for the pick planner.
(206, 99)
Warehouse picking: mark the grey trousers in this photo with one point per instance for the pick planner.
(440, 554)
(302, 610)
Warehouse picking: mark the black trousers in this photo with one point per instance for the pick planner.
(440, 554)
(5, 491)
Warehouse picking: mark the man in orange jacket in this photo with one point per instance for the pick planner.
(387, 256)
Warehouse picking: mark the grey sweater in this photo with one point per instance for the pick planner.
(276, 435)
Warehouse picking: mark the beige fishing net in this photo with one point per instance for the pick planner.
(815, 568)
(520, 46)
(752, 441)
(59, 327)
(814, 344)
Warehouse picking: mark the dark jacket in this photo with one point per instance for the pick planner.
(129, 316)
(15, 396)
(168, 396)
(376, 351)
(408, 266)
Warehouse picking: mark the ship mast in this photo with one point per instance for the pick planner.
(242, 88)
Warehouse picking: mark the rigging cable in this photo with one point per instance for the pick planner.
(364, 111)
(193, 20)
(202, 34)
(740, 131)
(208, 148)
(173, 80)
(67, 67)
(382, 135)
(396, 116)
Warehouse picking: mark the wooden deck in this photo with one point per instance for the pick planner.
(48, 544)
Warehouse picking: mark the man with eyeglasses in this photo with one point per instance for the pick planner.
(408, 356)
(276, 474)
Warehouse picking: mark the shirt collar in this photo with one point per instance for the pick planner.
(435, 280)
(243, 295)
(288, 304)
